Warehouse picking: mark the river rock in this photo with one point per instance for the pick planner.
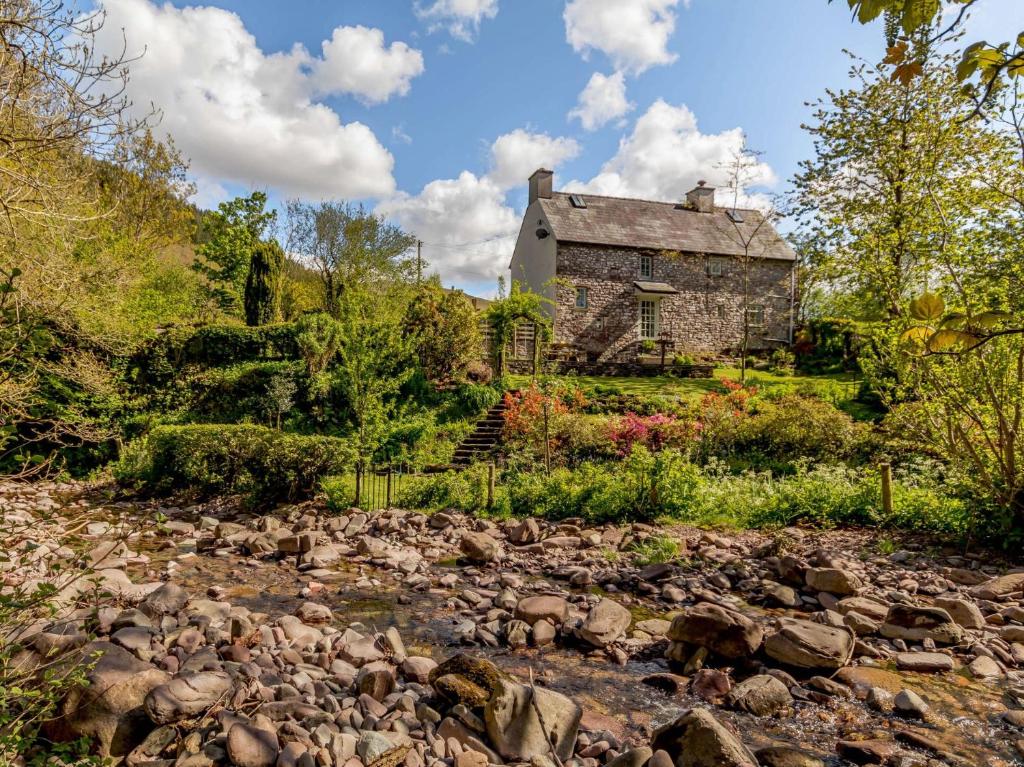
(605, 623)
(478, 547)
(924, 662)
(166, 600)
(915, 624)
(186, 696)
(999, 588)
(804, 644)
(109, 707)
(910, 704)
(250, 746)
(833, 580)
(725, 632)
(514, 727)
(760, 695)
(787, 756)
(962, 611)
(532, 609)
(697, 739)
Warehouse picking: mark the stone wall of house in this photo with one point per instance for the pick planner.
(705, 316)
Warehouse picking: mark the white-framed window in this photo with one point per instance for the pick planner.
(755, 315)
(720, 311)
(581, 298)
(648, 318)
(646, 267)
(716, 266)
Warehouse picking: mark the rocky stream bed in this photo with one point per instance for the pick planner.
(300, 637)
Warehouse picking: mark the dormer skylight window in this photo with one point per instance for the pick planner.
(577, 201)
(735, 216)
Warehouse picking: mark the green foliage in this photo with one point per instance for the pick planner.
(228, 237)
(475, 399)
(265, 465)
(463, 490)
(250, 391)
(445, 329)
(654, 550)
(518, 306)
(262, 298)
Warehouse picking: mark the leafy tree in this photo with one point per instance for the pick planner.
(228, 237)
(445, 329)
(348, 247)
(891, 160)
(263, 284)
(985, 68)
(374, 359)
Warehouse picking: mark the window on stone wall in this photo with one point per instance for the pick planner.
(716, 266)
(755, 315)
(581, 298)
(720, 311)
(646, 267)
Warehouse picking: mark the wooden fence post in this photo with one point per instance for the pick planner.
(547, 440)
(359, 482)
(490, 484)
(887, 488)
(388, 494)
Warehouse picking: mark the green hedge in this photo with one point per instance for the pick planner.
(263, 464)
(242, 392)
(159, 361)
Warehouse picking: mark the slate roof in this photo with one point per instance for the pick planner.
(632, 223)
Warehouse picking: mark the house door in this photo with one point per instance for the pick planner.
(649, 319)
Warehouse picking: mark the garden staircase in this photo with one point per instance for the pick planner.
(484, 438)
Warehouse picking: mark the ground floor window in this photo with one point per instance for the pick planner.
(648, 319)
(755, 315)
(720, 311)
(581, 298)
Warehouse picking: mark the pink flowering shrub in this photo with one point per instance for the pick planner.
(654, 432)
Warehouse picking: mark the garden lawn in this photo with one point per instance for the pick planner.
(831, 387)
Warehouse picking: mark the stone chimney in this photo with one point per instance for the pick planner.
(702, 198)
(541, 185)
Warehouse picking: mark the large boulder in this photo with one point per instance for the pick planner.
(186, 696)
(962, 611)
(250, 746)
(803, 644)
(550, 608)
(697, 739)
(833, 580)
(724, 632)
(166, 600)
(515, 729)
(479, 547)
(760, 695)
(605, 623)
(915, 624)
(109, 707)
(999, 588)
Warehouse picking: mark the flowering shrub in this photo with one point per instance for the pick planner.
(654, 432)
(525, 413)
(721, 416)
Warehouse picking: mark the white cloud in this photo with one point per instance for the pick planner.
(516, 155)
(634, 34)
(603, 100)
(245, 116)
(468, 230)
(666, 155)
(461, 18)
(356, 60)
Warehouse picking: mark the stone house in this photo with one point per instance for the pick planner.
(622, 272)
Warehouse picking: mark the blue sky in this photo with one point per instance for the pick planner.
(434, 113)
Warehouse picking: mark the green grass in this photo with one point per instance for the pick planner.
(694, 388)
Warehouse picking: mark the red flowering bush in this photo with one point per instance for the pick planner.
(721, 416)
(525, 413)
